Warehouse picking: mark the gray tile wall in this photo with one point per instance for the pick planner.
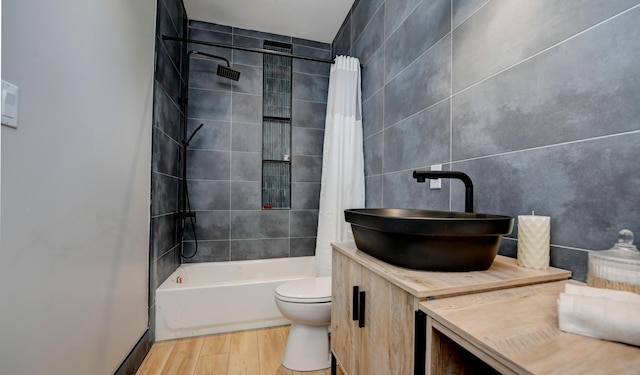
(224, 161)
(164, 251)
(537, 101)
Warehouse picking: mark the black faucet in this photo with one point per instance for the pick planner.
(421, 176)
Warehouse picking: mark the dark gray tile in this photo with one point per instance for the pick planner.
(259, 224)
(167, 27)
(246, 57)
(214, 135)
(209, 105)
(210, 225)
(165, 157)
(307, 114)
(247, 108)
(373, 74)
(246, 195)
(210, 26)
(463, 9)
(373, 191)
(586, 188)
(259, 249)
(203, 74)
(397, 11)
(246, 166)
(177, 13)
(208, 165)
(540, 24)
(425, 82)
(311, 43)
(371, 39)
(163, 235)
(509, 247)
(246, 137)
(208, 195)
(167, 74)
(373, 153)
(307, 141)
(302, 247)
(208, 251)
(166, 113)
(574, 260)
(262, 35)
(310, 87)
(305, 195)
(580, 86)
(212, 37)
(250, 81)
(342, 42)
(428, 23)
(362, 15)
(165, 265)
(372, 114)
(401, 190)
(306, 168)
(311, 67)
(164, 194)
(419, 141)
(304, 223)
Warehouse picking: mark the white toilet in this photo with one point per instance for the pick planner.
(307, 303)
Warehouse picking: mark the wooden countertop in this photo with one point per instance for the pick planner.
(504, 273)
(516, 331)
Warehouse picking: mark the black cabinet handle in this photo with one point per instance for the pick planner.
(354, 308)
(361, 310)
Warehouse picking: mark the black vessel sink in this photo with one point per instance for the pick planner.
(429, 240)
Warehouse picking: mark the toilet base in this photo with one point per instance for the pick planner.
(307, 348)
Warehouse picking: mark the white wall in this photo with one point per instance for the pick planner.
(75, 184)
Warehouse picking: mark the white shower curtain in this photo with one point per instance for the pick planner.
(342, 185)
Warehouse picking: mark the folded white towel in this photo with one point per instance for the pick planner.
(601, 313)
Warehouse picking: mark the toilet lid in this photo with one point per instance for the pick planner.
(314, 290)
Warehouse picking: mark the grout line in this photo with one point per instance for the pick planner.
(548, 146)
(368, 23)
(418, 58)
(451, 104)
(403, 21)
(468, 17)
(546, 49)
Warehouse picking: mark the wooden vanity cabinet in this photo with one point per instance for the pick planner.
(378, 339)
(381, 340)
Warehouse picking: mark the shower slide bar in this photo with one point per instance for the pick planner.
(248, 49)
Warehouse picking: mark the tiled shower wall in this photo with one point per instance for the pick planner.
(224, 161)
(538, 101)
(164, 252)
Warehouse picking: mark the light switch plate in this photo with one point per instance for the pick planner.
(436, 184)
(9, 104)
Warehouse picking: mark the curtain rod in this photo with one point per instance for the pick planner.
(257, 50)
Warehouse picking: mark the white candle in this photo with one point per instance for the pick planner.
(533, 241)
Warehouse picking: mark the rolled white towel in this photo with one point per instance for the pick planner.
(601, 313)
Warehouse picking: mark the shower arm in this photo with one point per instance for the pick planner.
(195, 52)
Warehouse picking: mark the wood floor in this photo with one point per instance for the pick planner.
(257, 352)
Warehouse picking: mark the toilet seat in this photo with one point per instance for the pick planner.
(314, 290)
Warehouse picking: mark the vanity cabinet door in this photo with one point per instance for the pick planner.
(345, 332)
(388, 332)
(379, 338)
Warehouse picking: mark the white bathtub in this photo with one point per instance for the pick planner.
(220, 297)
